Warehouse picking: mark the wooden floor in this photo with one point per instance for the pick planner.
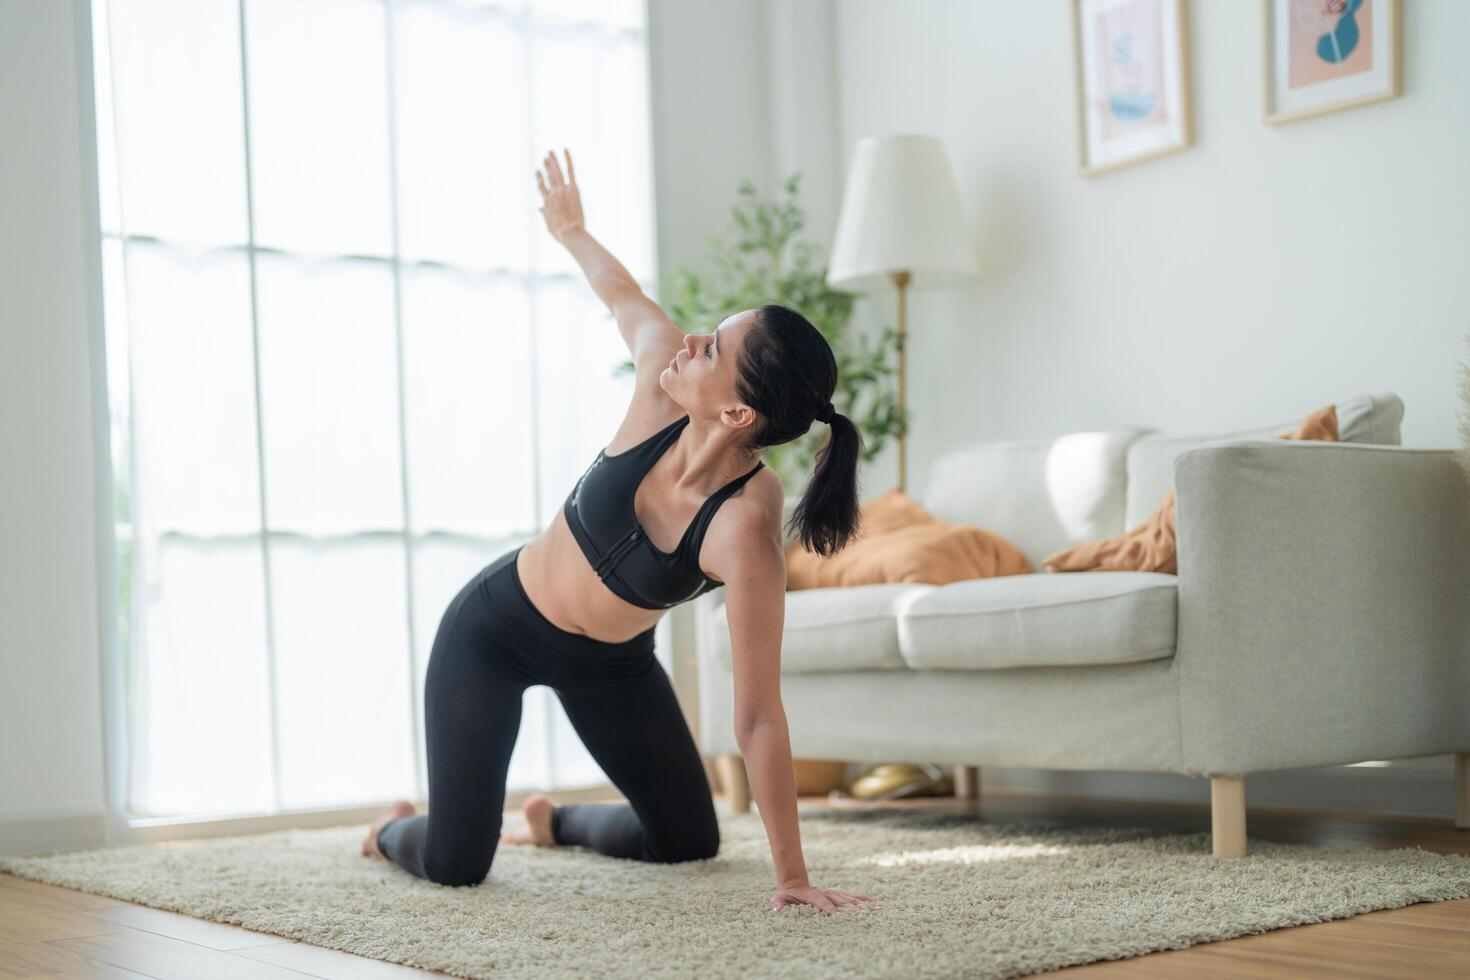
(57, 932)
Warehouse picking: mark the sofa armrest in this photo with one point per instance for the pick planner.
(1324, 604)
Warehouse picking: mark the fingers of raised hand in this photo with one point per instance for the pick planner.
(554, 169)
(544, 183)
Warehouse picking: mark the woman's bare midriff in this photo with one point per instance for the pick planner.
(561, 583)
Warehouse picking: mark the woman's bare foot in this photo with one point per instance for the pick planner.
(402, 808)
(537, 811)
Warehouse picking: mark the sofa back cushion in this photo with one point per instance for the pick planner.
(1041, 495)
(1150, 458)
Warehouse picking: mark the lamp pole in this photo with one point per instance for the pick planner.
(901, 280)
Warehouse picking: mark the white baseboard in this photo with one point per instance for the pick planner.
(67, 832)
(64, 832)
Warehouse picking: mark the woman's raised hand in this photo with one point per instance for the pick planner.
(829, 900)
(562, 201)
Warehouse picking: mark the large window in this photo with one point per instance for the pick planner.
(348, 367)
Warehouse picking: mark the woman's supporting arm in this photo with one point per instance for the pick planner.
(748, 553)
(766, 747)
(752, 563)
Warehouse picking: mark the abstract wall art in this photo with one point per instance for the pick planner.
(1132, 72)
(1322, 55)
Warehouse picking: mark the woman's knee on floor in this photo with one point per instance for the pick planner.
(696, 842)
(459, 872)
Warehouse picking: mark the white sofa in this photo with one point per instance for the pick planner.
(1320, 616)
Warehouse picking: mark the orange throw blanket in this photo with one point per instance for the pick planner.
(899, 541)
(1150, 547)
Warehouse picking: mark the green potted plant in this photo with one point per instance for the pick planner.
(760, 259)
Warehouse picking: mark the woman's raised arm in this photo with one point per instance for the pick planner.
(609, 279)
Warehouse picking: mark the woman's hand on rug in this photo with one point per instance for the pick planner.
(829, 900)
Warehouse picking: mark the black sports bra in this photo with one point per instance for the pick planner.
(600, 512)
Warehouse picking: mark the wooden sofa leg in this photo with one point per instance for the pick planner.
(732, 778)
(967, 782)
(1462, 790)
(1227, 815)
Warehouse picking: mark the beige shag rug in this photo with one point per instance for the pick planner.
(961, 897)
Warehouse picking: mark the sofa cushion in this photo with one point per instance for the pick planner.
(853, 627)
(1040, 620)
(1150, 458)
(1041, 495)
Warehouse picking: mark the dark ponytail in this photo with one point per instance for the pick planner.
(827, 516)
(788, 374)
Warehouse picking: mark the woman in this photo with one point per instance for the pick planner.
(678, 505)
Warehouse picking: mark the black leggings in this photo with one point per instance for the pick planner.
(491, 645)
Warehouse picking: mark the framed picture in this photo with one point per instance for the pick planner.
(1132, 69)
(1324, 55)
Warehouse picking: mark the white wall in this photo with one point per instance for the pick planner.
(707, 75)
(51, 721)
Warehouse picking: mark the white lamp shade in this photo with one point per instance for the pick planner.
(900, 212)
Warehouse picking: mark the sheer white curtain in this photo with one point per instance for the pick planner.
(348, 368)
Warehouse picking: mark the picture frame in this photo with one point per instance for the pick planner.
(1132, 73)
(1325, 55)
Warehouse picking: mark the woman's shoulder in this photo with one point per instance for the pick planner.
(752, 513)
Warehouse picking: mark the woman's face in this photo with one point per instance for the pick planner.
(701, 377)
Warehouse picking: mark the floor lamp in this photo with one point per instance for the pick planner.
(901, 222)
